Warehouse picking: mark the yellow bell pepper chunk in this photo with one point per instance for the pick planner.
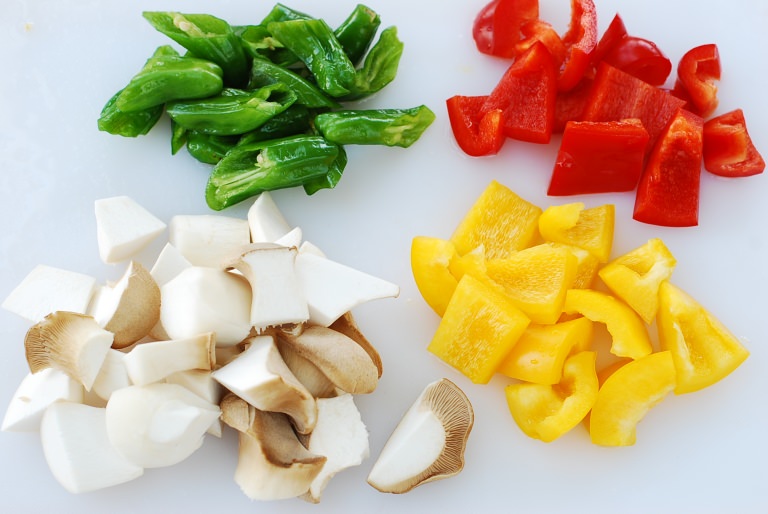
(628, 332)
(430, 261)
(547, 412)
(703, 349)
(499, 221)
(635, 277)
(586, 266)
(590, 229)
(472, 263)
(536, 280)
(626, 397)
(539, 355)
(479, 328)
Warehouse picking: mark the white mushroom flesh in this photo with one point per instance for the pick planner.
(208, 239)
(34, 394)
(124, 228)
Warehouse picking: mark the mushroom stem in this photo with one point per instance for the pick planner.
(151, 362)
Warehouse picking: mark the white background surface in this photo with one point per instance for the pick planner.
(703, 452)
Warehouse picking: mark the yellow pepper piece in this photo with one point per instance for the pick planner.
(536, 280)
(628, 332)
(547, 412)
(430, 259)
(499, 221)
(635, 277)
(586, 266)
(479, 328)
(704, 351)
(626, 397)
(590, 229)
(539, 355)
(472, 263)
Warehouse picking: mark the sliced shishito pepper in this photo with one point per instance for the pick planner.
(479, 328)
(628, 332)
(728, 149)
(539, 355)
(535, 279)
(704, 351)
(546, 412)
(636, 276)
(478, 132)
(626, 397)
(590, 229)
(430, 261)
(500, 221)
(697, 74)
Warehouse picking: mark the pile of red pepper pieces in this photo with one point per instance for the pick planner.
(621, 129)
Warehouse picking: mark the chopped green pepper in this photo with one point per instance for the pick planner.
(264, 73)
(281, 12)
(259, 43)
(250, 169)
(208, 148)
(330, 179)
(178, 137)
(356, 33)
(379, 68)
(127, 124)
(293, 121)
(390, 127)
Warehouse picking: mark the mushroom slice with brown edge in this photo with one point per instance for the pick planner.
(341, 359)
(316, 382)
(346, 325)
(130, 308)
(261, 377)
(428, 444)
(272, 463)
(153, 361)
(71, 342)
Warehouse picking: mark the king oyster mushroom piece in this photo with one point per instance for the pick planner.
(130, 308)
(272, 463)
(428, 444)
(153, 361)
(169, 263)
(208, 239)
(71, 342)
(123, 228)
(310, 376)
(34, 394)
(267, 224)
(261, 377)
(203, 385)
(112, 376)
(347, 325)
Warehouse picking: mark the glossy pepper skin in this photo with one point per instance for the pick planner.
(356, 33)
(697, 74)
(497, 27)
(206, 37)
(208, 148)
(128, 124)
(293, 121)
(580, 40)
(389, 127)
(266, 73)
(379, 67)
(259, 43)
(331, 177)
(250, 169)
(728, 148)
(477, 131)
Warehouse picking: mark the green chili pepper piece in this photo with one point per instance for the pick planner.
(208, 148)
(380, 66)
(127, 124)
(330, 179)
(356, 33)
(390, 127)
(281, 12)
(232, 112)
(169, 77)
(178, 137)
(315, 45)
(207, 37)
(293, 121)
(264, 73)
(248, 170)
(259, 43)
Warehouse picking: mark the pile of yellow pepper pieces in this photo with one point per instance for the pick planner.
(519, 291)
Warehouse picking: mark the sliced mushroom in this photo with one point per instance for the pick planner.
(346, 325)
(261, 377)
(428, 444)
(35, 393)
(208, 239)
(292, 239)
(112, 376)
(71, 342)
(153, 361)
(169, 263)
(123, 228)
(316, 382)
(265, 220)
(203, 385)
(341, 359)
(272, 463)
(131, 307)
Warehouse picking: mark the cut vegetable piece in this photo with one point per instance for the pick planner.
(265, 220)
(479, 328)
(158, 425)
(572, 224)
(347, 325)
(35, 393)
(203, 385)
(627, 396)
(340, 436)
(208, 239)
(130, 308)
(332, 288)
(586, 266)
(112, 376)
(635, 277)
(728, 148)
(430, 261)
(169, 263)
(47, 289)
(428, 444)
(292, 239)
(500, 221)
(124, 228)
(310, 376)
(154, 361)
(78, 450)
(71, 342)
(272, 464)
(628, 332)
(261, 377)
(703, 350)
(201, 300)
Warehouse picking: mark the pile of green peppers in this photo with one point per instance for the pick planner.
(264, 103)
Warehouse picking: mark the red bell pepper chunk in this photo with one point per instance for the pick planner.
(580, 40)
(497, 27)
(478, 132)
(612, 36)
(599, 157)
(697, 73)
(539, 30)
(526, 94)
(668, 193)
(640, 58)
(570, 105)
(728, 149)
